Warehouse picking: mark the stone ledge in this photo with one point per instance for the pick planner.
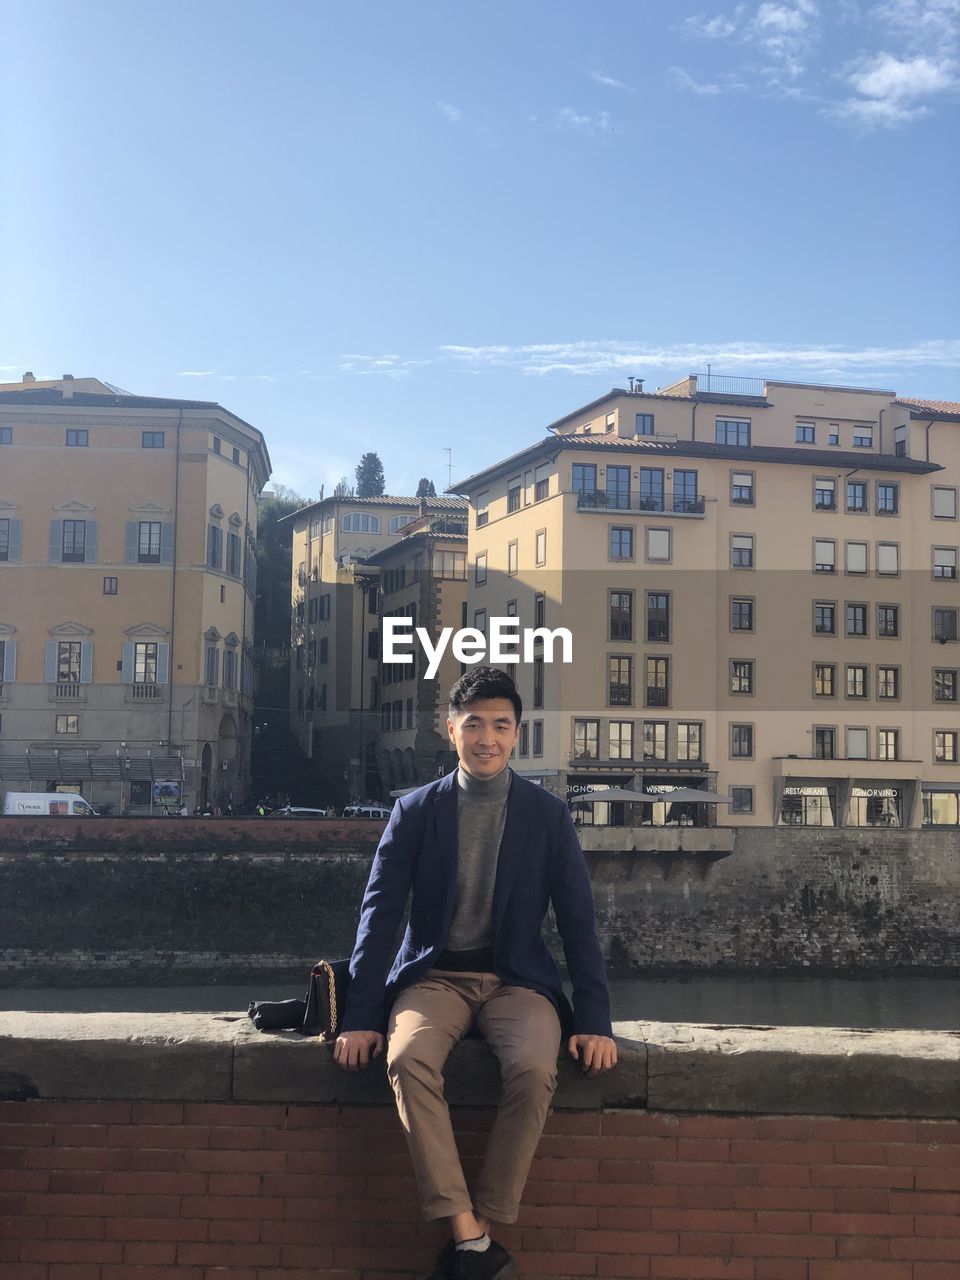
(663, 1067)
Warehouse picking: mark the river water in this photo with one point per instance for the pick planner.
(877, 1002)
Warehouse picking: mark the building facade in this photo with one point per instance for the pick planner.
(127, 582)
(761, 583)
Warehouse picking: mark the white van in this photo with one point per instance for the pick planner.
(46, 804)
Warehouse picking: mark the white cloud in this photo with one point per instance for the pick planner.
(591, 126)
(386, 366)
(684, 80)
(886, 76)
(719, 27)
(197, 373)
(453, 114)
(609, 82)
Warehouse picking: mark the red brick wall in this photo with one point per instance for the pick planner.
(201, 1191)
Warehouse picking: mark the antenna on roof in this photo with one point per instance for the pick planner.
(449, 453)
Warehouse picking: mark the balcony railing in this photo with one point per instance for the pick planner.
(658, 697)
(723, 384)
(143, 692)
(667, 504)
(67, 691)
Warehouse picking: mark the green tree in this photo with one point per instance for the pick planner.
(425, 489)
(370, 480)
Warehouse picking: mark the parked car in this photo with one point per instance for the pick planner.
(367, 811)
(299, 811)
(46, 804)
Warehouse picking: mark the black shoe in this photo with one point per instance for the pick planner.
(493, 1264)
(444, 1264)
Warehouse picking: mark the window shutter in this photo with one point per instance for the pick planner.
(90, 542)
(9, 673)
(126, 664)
(13, 549)
(131, 541)
(86, 662)
(50, 662)
(56, 541)
(166, 542)
(163, 663)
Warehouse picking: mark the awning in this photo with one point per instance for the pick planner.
(688, 795)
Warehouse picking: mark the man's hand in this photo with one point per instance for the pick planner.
(594, 1053)
(355, 1049)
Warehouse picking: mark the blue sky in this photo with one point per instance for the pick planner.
(417, 226)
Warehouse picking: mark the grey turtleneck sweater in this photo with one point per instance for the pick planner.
(481, 815)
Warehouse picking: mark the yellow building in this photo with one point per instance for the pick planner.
(335, 683)
(127, 582)
(760, 579)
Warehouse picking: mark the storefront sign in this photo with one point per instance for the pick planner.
(805, 791)
(874, 793)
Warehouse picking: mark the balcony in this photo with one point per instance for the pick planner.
(664, 504)
(719, 384)
(657, 697)
(67, 691)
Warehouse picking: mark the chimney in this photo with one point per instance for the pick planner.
(28, 377)
(423, 508)
(66, 387)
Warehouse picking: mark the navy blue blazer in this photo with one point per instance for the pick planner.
(540, 863)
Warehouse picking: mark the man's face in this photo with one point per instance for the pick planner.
(484, 733)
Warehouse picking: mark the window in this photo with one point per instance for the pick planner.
(888, 682)
(621, 615)
(151, 439)
(742, 488)
(450, 564)
(824, 555)
(538, 681)
(654, 740)
(74, 540)
(945, 563)
(483, 505)
(651, 487)
(944, 685)
(658, 544)
(148, 542)
(689, 740)
(584, 478)
(409, 706)
(742, 798)
(888, 499)
(68, 662)
(833, 433)
(824, 679)
(741, 551)
(229, 669)
(945, 624)
(658, 616)
(214, 546)
(523, 746)
(235, 454)
(396, 719)
(217, 445)
(145, 662)
(856, 495)
(4, 539)
(480, 569)
(621, 542)
(618, 488)
(856, 681)
(657, 682)
(888, 558)
(888, 620)
(586, 736)
(233, 554)
(824, 494)
(621, 739)
(888, 744)
(211, 666)
(824, 618)
(514, 492)
(538, 737)
(6, 435)
(511, 609)
(480, 620)
(856, 619)
(945, 743)
(644, 424)
(733, 431)
(944, 501)
(541, 486)
(824, 743)
(324, 610)
(396, 523)
(324, 648)
(360, 522)
(111, 586)
(741, 613)
(741, 741)
(67, 724)
(900, 442)
(513, 557)
(77, 438)
(806, 433)
(862, 437)
(741, 676)
(541, 547)
(373, 643)
(620, 681)
(856, 557)
(858, 744)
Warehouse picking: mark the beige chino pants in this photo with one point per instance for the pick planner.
(523, 1030)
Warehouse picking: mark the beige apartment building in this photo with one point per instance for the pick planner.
(336, 681)
(127, 584)
(761, 583)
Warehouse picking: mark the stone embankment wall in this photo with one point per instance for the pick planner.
(141, 902)
(184, 1147)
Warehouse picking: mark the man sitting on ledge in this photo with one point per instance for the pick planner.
(485, 853)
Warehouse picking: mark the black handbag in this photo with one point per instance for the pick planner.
(320, 1014)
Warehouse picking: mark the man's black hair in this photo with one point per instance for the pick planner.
(484, 682)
